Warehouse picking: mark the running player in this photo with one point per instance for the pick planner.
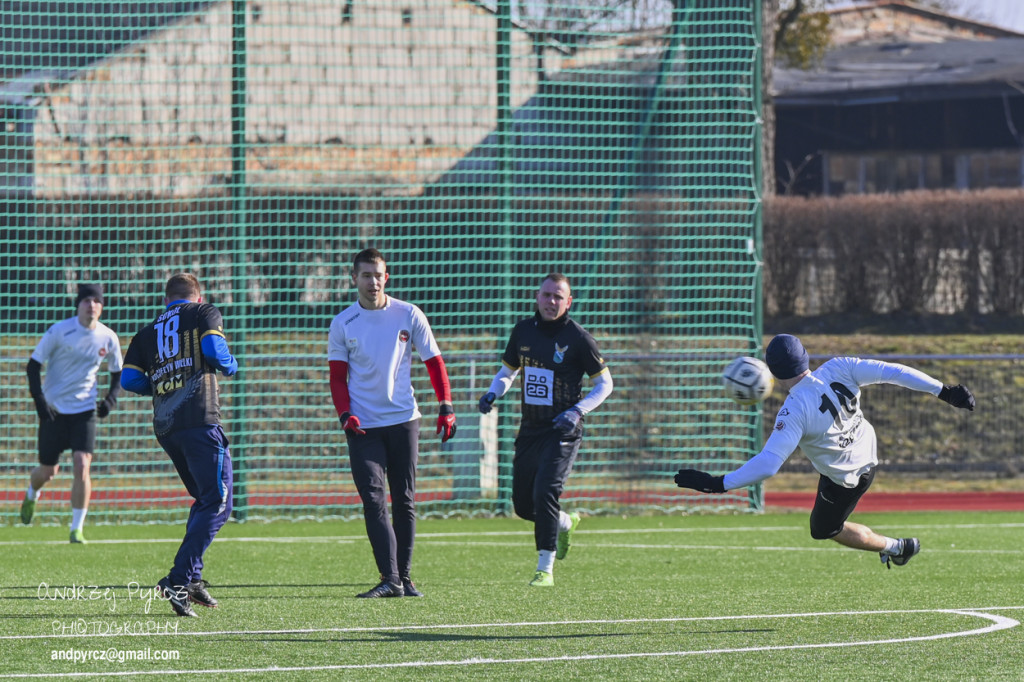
(553, 352)
(175, 359)
(72, 351)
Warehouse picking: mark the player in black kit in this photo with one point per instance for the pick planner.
(553, 352)
(175, 359)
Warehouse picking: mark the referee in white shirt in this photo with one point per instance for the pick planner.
(369, 351)
(822, 416)
(66, 401)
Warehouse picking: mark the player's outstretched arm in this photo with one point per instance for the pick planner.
(957, 396)
(700, 481)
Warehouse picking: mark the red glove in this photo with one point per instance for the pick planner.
(350, 423)
(446, 422)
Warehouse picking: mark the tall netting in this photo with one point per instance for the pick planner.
(479, 145)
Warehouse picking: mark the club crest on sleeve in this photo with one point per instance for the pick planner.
(103, 352)
(779, 425)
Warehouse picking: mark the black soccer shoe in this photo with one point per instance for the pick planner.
(197, 594)
(385, 589)
(911, 546)
(177, 597)
(410, 589)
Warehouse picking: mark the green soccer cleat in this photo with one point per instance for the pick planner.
(542, 579)
(77, 538)
(565, 537)
(28, 510)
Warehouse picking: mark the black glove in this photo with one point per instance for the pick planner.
(43, 409)
(566, 423)
(105, 406)
(957, 396)
(700, 480)
(486, 401)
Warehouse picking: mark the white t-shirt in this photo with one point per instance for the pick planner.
(822, 416)
(377, 345)
(73, 355)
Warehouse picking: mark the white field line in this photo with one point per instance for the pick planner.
(523, 624)
(997, 623)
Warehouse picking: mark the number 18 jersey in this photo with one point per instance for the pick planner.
(168, 350)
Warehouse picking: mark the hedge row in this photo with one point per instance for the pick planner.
(920, 252)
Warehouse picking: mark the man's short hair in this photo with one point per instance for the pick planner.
(368, 256)
(183, 285)
(557, 278)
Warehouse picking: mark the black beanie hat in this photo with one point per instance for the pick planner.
(786, 357)
(89, 290)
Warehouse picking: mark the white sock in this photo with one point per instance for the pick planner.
(31, 493)
(78, 518)
(893, 546)
(564, 522)
(546, 561)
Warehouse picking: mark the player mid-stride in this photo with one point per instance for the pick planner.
(175, 358)
(553, 353)
(822, 416)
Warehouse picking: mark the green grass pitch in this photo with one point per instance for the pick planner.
(715, 597)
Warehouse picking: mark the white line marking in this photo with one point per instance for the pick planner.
(997, 623)
(523, 624)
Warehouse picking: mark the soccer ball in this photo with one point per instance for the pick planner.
(747, 380)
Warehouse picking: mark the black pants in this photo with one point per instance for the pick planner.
(834, 504)
(391, 453)
(540, 468)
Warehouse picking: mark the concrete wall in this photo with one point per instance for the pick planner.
(390, 94)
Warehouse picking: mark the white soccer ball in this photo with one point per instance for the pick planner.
(747, 380)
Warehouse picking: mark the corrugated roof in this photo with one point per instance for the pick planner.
(860, 74)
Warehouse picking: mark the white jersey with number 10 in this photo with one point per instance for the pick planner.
(823, 417)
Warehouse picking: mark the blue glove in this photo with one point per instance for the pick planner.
(566, 423)
(486, 401)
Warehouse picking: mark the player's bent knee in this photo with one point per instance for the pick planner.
(824, 532)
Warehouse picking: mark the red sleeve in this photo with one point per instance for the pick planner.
(439, 379)
(339, 385)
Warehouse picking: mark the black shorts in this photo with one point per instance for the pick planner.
(833, 504)
(75, 432)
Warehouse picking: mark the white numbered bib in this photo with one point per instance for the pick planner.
(538, 386)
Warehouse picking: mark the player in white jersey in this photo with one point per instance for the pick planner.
(369, 351)
(66, 399)
(822, 416)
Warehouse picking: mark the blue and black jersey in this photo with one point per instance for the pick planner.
(169, 351)
(553, 357)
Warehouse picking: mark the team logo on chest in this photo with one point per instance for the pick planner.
(560, 352)
(403, 336)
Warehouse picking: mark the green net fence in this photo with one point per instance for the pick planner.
(479, 145)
